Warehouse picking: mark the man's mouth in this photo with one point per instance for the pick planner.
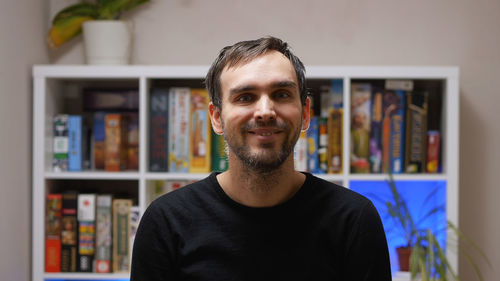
(264, 132)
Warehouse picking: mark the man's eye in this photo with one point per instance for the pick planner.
(283, 95)
(244, 98)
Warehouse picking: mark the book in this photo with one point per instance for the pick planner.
(53, 222)
(86, 231)
(337, 100)
(312, 146)
(104, 218)
(331, 96)
(154, 190)
(391, 105)
(121, 235)
(86, 145)
(397, 139)
(434, 120)
(99, 136)
(69, 232)
(323, 144)
(335, 125)
(219, 154)
(75, 143)
(334, 130)
(433, 151)
(60, 143)
(132, 141)
(179, 130)
(115, 142)
(110, 99)
(200, 132)
(135, 217)
(171, 185)
(160, 187)
(376, 131)
(416, 132)
(325, 96)
(360, 127)
(300, 153)
(434, 109)
(158, 130)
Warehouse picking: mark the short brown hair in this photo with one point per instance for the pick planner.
(245, 51)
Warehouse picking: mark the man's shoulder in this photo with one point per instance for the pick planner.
(193, 193)
(336, 194)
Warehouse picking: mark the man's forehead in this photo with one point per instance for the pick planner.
(238, 63)
(268, 66)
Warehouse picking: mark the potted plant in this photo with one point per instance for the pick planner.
(426, 258)
(107, 39)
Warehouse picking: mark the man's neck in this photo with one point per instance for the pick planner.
(260, 189)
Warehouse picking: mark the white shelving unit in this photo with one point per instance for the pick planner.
(53, 84)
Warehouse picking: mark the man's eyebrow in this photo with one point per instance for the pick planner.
(241, 89)
(284, 84)
(275, 85)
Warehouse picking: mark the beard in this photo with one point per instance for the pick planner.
(267, 158)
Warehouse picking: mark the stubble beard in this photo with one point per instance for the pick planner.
(267, 160)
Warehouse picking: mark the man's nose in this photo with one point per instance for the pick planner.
(265, 109)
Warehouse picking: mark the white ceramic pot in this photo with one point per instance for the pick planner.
(107, 42)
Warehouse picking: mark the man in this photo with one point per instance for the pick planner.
(261, 219)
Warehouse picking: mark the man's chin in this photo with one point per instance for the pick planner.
(264, 163)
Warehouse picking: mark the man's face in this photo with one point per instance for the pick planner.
(262, 115)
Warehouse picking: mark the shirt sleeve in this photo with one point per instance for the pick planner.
(152, 258)
(368, 256)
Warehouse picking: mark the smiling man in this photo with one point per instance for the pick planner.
(261, 219)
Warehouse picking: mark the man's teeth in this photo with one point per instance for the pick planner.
(266, 134)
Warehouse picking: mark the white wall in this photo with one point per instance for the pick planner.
(343, 32)
(21, 46)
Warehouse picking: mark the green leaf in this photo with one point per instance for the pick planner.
(112, 9)
(77, 10)
(433, 211)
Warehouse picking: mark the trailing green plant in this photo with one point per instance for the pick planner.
(428, 259)
(67, 23)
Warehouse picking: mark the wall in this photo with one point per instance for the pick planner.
(360, 32)
(343, 32)
(21, 46)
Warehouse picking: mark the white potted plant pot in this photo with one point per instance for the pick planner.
(107, 42)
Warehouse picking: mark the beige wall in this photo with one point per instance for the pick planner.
(343, 32)
(21, 46)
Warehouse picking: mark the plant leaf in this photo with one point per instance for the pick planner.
(65, 29)
(433, 211)
(77, 10)
(112, 9)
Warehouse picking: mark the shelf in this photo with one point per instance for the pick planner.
(87, 276)
(398, 177)
(57, 88)
(174, 176)
(401, 276)
(93, 175)
(188, 176)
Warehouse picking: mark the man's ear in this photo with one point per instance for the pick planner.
(306, 114)
(215, 118)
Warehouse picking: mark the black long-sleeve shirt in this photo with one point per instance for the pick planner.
(324, 232)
